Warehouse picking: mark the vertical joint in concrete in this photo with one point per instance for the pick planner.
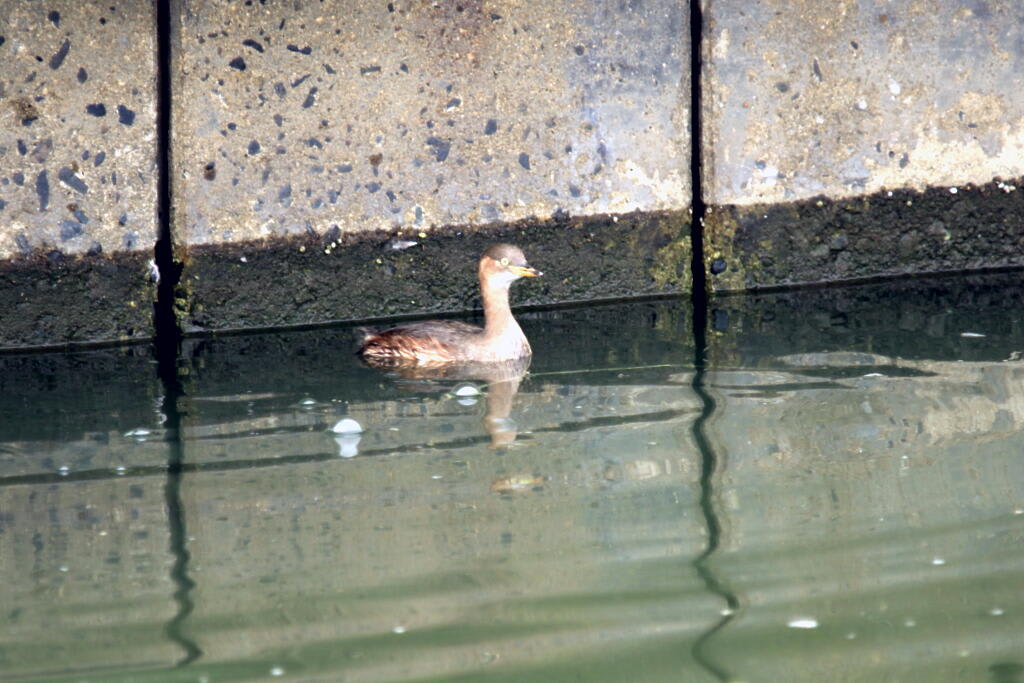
(165, 321)
(700, 302)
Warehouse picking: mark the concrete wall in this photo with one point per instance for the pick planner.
(78, 211)
(855, 139)
(344, 160)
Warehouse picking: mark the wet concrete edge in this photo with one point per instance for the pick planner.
(333, 277)
(51, 299)
(886, 234)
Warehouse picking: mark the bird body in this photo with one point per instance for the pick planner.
(435, 342)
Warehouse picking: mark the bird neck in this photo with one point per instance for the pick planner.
(498, 319)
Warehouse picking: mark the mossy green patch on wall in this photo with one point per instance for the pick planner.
(671, 264)
(888, 233)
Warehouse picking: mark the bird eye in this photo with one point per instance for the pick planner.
(504, 260)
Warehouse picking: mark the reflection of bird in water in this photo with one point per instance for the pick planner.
(503, 379)
(434, 342)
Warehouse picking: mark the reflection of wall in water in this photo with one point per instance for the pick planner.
(887, 508)
(82, 560)
(415, 529)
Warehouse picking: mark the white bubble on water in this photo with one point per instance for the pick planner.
(802, 622)
(347, 426)
(464, 390)
(996, 612)
(398, 629)
(277, 671)
(938, 561)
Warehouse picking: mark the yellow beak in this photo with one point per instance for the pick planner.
(525, 271)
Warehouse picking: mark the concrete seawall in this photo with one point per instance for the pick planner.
(850, 140)
(346, 160)
(349, 160)
(78, 171)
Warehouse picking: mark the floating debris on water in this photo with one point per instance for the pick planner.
(137, 432)
(518, 482)
(938, 561)
(973, 335)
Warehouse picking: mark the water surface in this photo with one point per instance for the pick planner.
(837, 494)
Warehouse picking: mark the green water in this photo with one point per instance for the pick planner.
(837, 495)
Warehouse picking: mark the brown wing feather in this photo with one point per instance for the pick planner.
(428, 341)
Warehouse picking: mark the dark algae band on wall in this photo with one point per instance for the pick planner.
(889, 233)
(52, 299)
(315, 279)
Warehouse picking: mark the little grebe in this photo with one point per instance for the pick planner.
(445, 341)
